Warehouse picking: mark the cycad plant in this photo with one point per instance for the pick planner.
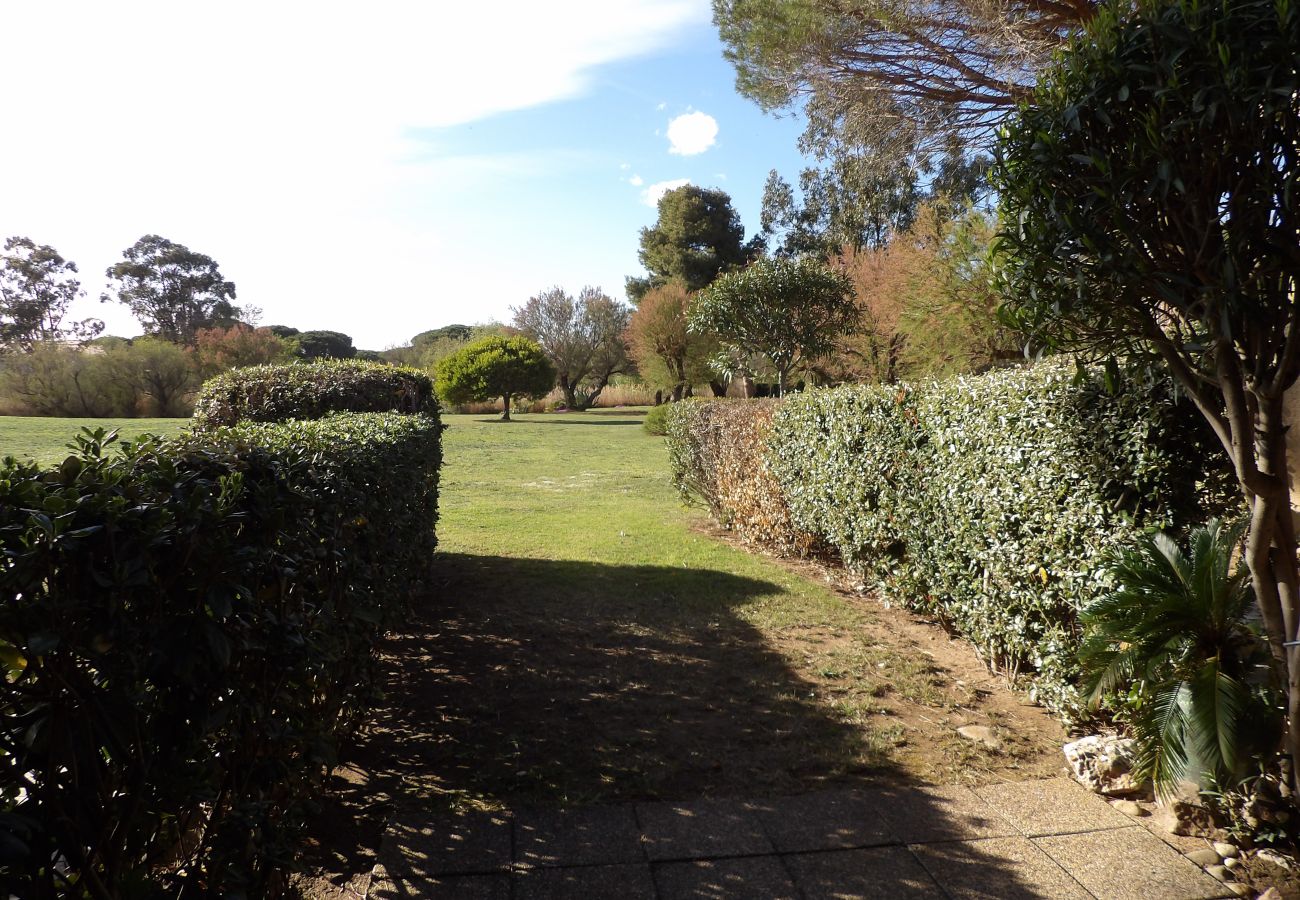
(1175, 638)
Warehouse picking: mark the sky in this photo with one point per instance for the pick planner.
(377, 169)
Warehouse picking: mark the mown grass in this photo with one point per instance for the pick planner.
(46, 439)
(589, 638)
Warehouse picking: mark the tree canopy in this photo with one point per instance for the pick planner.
(697, 236)
(666, 353)
(785, 312)
(901, 79)
(37, 286)
(324, 345)
(1150, 199)
(583, 339)
(505, 367)
(171, 289)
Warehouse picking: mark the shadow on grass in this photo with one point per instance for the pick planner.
(535, 684)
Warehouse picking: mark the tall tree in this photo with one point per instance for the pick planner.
(899, 79)
(1151, 201)
(495, 366)
(171, 289)
(697, 236)
(664, 350)
(325, 345)
(583, 339)
(37, 286)
(782, 311)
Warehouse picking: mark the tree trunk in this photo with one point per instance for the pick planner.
(505, 408)
(678, 390)
(569, 390)
(719, 389)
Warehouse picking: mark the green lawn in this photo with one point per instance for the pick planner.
(589, 638)
(46, 439)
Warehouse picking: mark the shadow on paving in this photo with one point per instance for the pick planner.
(546, 688)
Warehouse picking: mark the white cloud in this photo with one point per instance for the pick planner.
(692, 133)
(651, 195)
(661, 107)
(636, 181)
(276, 137)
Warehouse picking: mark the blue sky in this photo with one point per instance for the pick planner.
(376, 170)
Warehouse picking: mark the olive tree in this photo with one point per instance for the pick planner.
(782, 312)
(505, 367)
(1150, 199)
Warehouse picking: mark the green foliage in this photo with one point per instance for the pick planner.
(312, 391)
(697, 236)
(173, 290)
(147, 376)
(1173, 639)
(583, 339)
(504, 367)
(187, 630)
(990, 502)
(656, 420)
(785, 312)
(1149, 189)
(313, 345)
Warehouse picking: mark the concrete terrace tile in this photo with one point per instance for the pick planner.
(1052, 806)
(919, 814)
(891, 872)
(632, 882)
(997, 869)
(1130, 864)
(829, 820)
(756, 877)
(453, 887)
(701, 828)
(599, 835)
(447, 844)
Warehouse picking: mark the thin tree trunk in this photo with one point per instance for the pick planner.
(505, 408)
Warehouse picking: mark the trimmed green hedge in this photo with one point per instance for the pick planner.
(187, 629)
(312, 390)
(989, 502)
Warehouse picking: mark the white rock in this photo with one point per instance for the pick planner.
(1129, 807)
(980, 734)
(1103, 763)
(1239, 889)
(1218, 873)
(1227, 851)
(1204, 857)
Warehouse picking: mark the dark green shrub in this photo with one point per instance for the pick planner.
(1175, 639)
(989, 502)
(310, 391)
(186, 629)
(656, 420)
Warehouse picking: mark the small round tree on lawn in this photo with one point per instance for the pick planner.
(505, 367)
(784, 311)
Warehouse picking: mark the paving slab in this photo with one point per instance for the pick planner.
(756, 877)
(997, 869)
(1130, 864)
(920, 814)
(599, 835)
(828, 820)
(452, 887)
(1052, 806)
(447, 844)
(630, 882)
(891, 872)
(701, 829)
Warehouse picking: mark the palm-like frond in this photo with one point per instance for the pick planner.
(1175, 628)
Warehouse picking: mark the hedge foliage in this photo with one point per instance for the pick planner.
(312, 390)
(187, 628)
(990, 502)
